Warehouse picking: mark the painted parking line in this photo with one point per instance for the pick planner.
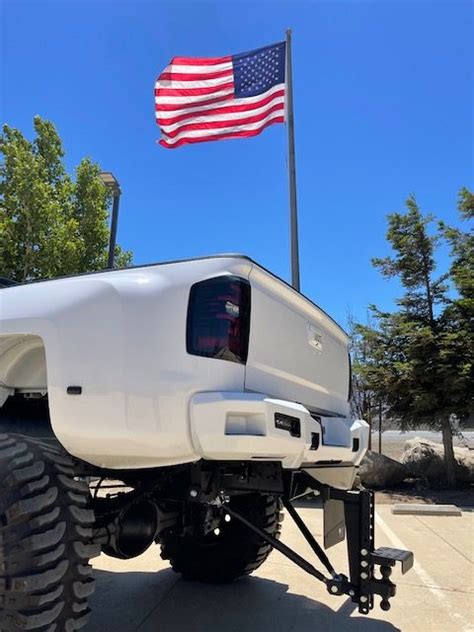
(427, 580)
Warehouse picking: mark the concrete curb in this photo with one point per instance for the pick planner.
(408, 509)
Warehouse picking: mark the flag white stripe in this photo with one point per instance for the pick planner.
(203, 83)
(198, 133)
(188, 70)
(203, 97)
(211, 106)
(230, 116)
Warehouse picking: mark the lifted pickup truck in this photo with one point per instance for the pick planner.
(182, 403)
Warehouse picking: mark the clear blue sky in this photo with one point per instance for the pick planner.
(383, 106)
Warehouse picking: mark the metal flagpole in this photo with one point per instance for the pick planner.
(295, 263)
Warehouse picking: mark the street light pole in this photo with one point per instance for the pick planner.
(113, 227)
(111, 182)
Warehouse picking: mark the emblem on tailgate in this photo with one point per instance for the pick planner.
(315, 338)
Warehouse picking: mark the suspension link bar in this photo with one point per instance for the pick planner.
(310, 538)
(279, 546)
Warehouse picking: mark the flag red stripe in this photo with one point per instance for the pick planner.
(198, 76)
(196, 100)
(163, 107)
(192, 92)
(242, 134)
(217, 110)
(219, 124)
(200, 61)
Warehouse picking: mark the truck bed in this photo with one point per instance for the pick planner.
(109, 350)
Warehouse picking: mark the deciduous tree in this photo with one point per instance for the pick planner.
(50, 224)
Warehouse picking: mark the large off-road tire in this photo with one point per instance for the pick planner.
(235, 552)
(45, 538)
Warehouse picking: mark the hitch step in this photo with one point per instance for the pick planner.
(384, 556)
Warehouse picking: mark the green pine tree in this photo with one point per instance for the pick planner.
(419, 357)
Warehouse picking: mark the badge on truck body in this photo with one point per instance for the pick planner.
(315, 338)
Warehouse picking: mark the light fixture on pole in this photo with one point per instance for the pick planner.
(111, 182)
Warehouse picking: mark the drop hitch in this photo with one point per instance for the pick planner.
(358, 514)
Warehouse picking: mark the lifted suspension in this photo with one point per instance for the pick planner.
(362, 585)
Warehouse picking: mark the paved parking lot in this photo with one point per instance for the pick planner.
(436, 595)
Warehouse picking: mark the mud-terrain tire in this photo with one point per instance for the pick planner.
(45, 538)
(235, 552)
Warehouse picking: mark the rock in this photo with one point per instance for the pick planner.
(425, 459)
(378, 470)
(357, 484)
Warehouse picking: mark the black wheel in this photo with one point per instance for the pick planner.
(235, 552)
(45, 538)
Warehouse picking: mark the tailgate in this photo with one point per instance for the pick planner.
(296, 351)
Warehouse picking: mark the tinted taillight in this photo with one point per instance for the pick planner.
(219, 319)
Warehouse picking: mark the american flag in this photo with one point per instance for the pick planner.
(212, 98)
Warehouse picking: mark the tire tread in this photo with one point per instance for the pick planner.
(45, 538)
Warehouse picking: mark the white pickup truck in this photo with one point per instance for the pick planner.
(181, 403)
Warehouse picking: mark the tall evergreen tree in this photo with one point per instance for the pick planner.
(50, 225)
(418, 356)
(458, 316)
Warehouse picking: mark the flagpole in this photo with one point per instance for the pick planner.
(295, 263)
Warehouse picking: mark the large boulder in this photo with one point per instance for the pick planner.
(378, 470)
(425, 459)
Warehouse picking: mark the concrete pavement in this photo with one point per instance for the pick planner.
(437, 595)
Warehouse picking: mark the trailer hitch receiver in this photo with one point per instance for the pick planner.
(359, 516)
(361, 585)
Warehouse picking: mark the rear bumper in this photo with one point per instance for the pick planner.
(229, 426)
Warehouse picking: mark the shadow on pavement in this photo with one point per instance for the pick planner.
(161, 602)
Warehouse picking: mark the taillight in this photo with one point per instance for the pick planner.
(219, 319)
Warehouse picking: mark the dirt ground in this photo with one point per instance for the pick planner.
(411, 493)
(394, 441)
